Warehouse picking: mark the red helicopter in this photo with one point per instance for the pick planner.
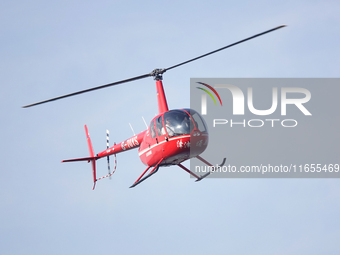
(172, 137)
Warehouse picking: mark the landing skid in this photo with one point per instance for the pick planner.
(201, 177)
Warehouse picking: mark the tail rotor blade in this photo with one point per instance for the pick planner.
(107, 147)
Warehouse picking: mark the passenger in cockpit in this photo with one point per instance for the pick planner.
(186, 124)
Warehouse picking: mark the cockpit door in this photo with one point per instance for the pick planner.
(160, 129)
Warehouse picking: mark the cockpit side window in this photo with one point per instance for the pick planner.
(199, 122)
(159, 126)
(152, 129)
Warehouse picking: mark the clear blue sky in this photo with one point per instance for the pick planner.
(52, 48)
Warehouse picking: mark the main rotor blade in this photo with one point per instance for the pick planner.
(155, 73)
(88, 90)
(228, 46)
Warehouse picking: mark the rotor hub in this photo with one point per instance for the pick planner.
(157, 74)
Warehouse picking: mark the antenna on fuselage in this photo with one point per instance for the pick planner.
(132, 129)
(145, 122)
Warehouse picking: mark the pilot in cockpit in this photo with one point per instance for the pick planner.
(169, 124)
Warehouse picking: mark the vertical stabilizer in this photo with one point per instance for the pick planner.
(93, 160)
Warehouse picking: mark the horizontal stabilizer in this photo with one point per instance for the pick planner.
(80, 159)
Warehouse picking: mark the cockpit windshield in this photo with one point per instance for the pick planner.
(177, 122)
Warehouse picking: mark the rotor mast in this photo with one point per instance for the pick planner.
(161, 98)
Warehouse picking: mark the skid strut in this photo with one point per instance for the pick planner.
(153, 171)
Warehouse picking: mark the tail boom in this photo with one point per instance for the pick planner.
(131, 143)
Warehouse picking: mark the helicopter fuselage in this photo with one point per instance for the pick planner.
(173, 136)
